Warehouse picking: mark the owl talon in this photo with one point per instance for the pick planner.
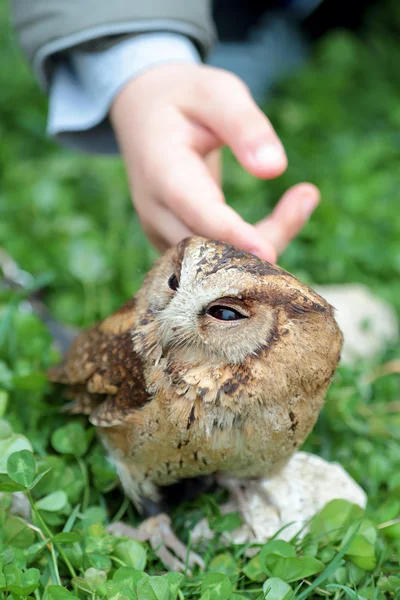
(157, 531)
(237, 487)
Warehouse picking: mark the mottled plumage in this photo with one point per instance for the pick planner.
(176, 392)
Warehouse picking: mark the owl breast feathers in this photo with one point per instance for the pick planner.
(220, 363)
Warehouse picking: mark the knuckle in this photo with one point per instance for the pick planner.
(242, 125)
(233, 83)
(203, 91)
(219, 83)
(245, 125)
(251, 124)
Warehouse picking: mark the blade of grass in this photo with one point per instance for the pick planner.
(330, 569)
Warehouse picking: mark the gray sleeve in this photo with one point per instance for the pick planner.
(47, 27)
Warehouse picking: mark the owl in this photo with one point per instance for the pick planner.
(218, 365)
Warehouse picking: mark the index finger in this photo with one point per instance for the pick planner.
(189, 190)
(222, 102)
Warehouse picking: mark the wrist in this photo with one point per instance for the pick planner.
(84, 88)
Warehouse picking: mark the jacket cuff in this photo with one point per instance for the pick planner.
(85, 84)
(48, 28)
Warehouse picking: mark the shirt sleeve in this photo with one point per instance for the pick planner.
(85, 83)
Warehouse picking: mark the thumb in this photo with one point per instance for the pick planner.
(289, 216)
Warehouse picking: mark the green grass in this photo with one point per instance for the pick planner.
(67, 220)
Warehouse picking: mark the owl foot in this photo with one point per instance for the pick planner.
(252, 487)
(158, 532)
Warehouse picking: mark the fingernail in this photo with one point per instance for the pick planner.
(309, 203)
(269, 155)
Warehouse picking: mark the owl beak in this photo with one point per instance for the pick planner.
(167, 340)
(164, 348)
(165, 344)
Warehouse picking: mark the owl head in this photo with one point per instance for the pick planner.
(207, 297)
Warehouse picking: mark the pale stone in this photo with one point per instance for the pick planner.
(289, 499)
(368, 323)
(19, 505)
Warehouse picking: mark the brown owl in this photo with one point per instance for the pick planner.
(219, 364)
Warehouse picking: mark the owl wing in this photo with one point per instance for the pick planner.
(103, 372)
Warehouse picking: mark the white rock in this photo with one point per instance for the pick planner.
(291, 498)
(368, 323)
(19, 505)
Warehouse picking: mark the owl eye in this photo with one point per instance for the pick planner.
(173, 283)
(225, 313)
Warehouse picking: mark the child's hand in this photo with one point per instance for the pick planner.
(170, 123)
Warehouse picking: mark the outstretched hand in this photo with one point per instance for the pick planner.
(171, 122)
